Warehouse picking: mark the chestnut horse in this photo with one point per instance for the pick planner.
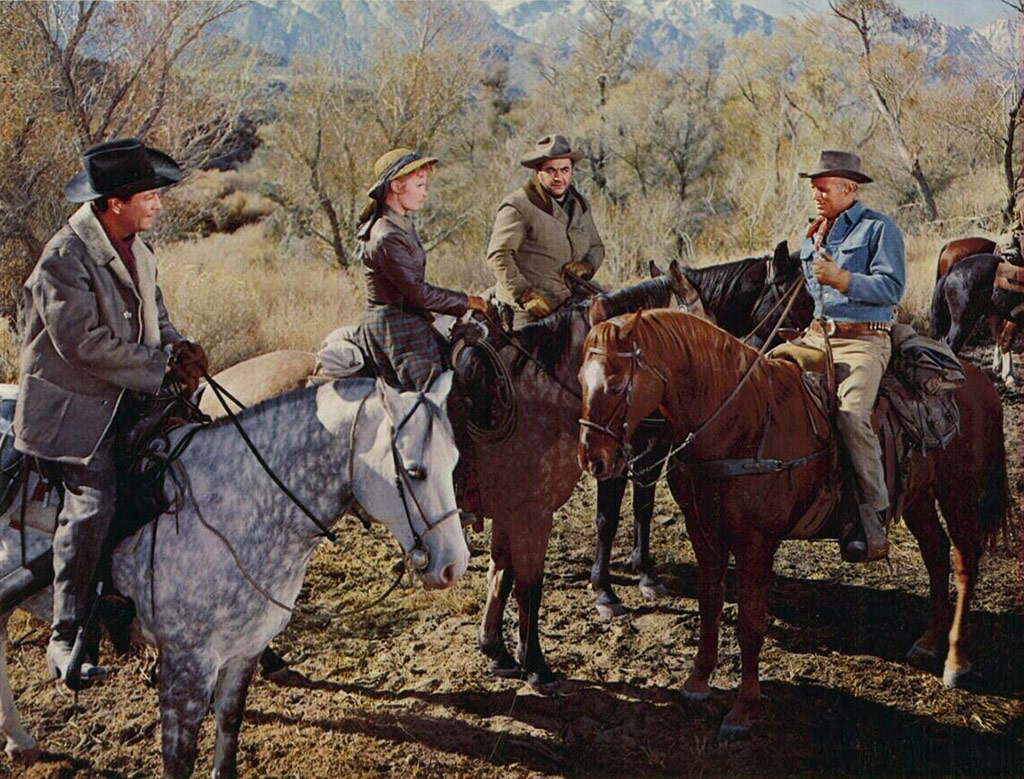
(959, 302)
(730, 413)
(743, 297)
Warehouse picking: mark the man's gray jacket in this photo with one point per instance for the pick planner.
(89, 335)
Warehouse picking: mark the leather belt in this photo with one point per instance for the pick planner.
(850, 329)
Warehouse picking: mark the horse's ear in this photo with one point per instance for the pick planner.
(627, 329)
(598, 310)
(440, 387)
(675, 271)
(654, 270)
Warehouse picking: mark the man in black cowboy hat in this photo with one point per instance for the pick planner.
(855, 266)
(94, 327)
(542, 231)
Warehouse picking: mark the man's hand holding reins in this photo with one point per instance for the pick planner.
(827, 272)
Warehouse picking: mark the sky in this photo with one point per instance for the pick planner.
(956, 13)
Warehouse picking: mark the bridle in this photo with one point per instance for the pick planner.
(417, 558)
(637, 362)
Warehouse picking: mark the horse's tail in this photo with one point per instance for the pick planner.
(940, 270)
(939, 320)
(996, 516)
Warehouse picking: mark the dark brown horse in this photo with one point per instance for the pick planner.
(959, 303)
(744, 298)
(731, 414)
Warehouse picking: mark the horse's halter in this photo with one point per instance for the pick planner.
(417, 558)
(637, 362)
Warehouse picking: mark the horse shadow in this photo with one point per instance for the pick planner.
(823, 617)
(614, 728)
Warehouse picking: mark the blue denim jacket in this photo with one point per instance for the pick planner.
(870, 246)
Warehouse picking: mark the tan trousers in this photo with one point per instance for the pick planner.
(860, 363)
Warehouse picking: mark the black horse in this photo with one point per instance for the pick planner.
(743, 297)
(964, 296)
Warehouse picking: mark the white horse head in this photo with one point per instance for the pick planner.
(405, 455)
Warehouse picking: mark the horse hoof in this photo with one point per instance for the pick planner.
(733, 734)
(695, 697)
(610, 610)
(24, 757)
(545, 683)
(287, 677)
(919, 654)
(504, 671)
(653, 591)
(954, 678)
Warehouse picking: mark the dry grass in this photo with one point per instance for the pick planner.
(240, 296)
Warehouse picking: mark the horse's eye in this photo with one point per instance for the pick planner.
(416, 472)
(616, 389)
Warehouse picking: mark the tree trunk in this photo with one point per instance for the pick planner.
(1011, 179)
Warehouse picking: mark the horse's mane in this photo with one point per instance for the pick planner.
(649, 293)
(546, 339)
(716, 282)
(276, 400)
(675, 338)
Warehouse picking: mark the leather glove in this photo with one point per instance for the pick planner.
(189, 353)
(581, 268)
(535, 304)
(188, 363)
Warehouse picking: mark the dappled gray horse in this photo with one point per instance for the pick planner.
(224, 573)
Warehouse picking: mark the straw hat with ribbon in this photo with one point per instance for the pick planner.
(389, 167)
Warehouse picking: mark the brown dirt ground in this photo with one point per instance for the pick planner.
(401, 689)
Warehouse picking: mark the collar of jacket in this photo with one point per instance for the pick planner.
(86, 225)
(541, 198)
(402, 221)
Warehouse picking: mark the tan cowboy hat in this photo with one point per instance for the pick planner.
(121, 168)
(841, 164)
(550, 147)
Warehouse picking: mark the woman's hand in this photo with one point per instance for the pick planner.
(484, 306)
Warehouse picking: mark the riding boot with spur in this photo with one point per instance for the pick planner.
(89, 495)
(870, 543)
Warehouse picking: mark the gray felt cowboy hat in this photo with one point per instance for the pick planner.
(121, 168)
(550, 147)
(841, 164)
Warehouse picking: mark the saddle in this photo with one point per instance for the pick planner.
(31, 496)
(915, 411)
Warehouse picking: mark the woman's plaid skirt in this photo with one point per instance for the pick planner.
(405, 349)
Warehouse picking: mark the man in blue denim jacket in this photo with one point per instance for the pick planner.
(855, 266)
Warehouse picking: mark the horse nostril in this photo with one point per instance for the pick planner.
(448, 575)
(597, 467)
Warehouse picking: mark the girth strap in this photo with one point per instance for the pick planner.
(730, 467)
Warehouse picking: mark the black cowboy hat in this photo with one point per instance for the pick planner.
(841, 164)
(121, 168)
(550, 147)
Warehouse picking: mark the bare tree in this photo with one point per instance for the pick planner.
(78, 73)
(890, 95)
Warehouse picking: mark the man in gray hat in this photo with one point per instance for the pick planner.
(95, 329)
(855, 266)
(541, 232)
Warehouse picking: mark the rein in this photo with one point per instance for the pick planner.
(217, 390)
(525, 353)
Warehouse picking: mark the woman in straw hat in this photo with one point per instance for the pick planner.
(396, 329)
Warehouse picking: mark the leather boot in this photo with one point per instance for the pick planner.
(871, 542)
(59, 660)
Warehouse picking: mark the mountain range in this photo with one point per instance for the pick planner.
(665, 30)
